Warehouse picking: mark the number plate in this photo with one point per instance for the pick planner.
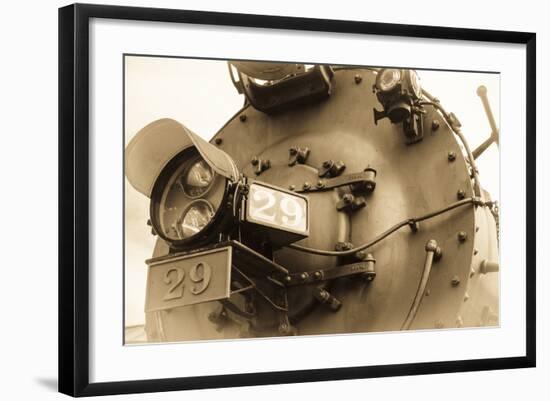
(277, 208)
(188, 280)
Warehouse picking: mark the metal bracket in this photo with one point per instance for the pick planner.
(364, 268)
(260, 165)
(349, 203)
(359, 182)
(330, 168)
(298, 155)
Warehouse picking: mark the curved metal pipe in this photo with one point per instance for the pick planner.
(388, 232)
(431, 248)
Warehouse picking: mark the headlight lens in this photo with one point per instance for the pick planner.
(415, 83)
(388, 79)
(197, 179)
(195, 218)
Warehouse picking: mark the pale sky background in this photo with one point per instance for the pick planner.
(200, 94)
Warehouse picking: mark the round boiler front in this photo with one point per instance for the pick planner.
(411, 180)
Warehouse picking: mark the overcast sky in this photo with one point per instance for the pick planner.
(199, 94)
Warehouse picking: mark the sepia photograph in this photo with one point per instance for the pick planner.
(279, 199)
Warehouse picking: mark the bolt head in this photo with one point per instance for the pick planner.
(431, 246)
(461, 194)
(292, 187)
(320, 184)
(288, 279)
(303, 276)
(362, 255)
(243, 118)
(306, 185)
(455, 281)
(451, 156)
(369, 276)
(435, 125)
(317, 275)
(358, 78)
(462, 236)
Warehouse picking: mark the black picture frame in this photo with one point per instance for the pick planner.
(74, 198)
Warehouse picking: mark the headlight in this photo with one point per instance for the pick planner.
(187, 199)
(415, 84)
(387, 80)
(398, 91)
(197, 192)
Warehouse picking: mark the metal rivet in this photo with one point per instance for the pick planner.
(292, 187)
(455, 281)
(472, 272)
(358, 78)
(427, 292)
(304, 276)
(317, 275)
(476, 251)
(347, 198)
(320, 184)
(451, 156)
(460, 194)
(288, 279)
(466, 297)
(242, 117)
(218, 141)
(435, 125)
(462, 236)
(306, 185)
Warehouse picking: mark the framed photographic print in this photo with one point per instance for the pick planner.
(344, 199)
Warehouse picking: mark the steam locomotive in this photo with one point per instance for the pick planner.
(339, 199)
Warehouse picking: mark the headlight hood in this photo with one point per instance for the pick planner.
(158, 142)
